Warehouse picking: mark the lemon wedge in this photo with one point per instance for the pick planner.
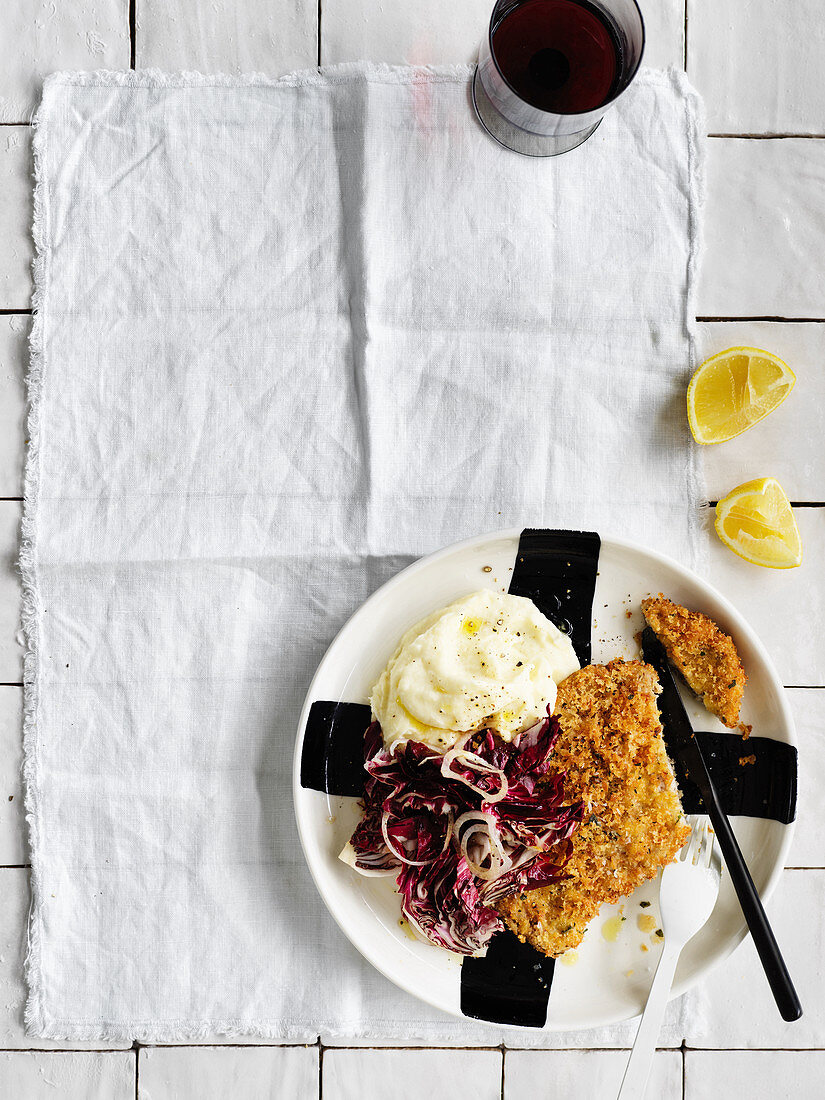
(734, 390)
(756, 521)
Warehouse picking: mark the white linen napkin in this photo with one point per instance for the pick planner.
(289, 335)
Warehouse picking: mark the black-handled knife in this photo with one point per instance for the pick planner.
(681, 743)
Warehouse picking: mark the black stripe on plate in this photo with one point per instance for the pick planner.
(510, 985)
(332, 758)
(763, 787)
(557, 571)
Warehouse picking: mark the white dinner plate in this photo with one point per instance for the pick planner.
(608, 981)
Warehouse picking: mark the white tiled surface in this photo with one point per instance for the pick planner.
(227, 36)
(70, 1075)
(433, 32)
(14, 907)
(39, 36)
(10, 651)
(15, 216)
(428, 32)
(13, 335)
(808, 848)
(764, 230)
(562, 1074)
(217, 1073)
(411, 1074)
(757, 64)
(12, 837)
(778, 1075)
(665, 34)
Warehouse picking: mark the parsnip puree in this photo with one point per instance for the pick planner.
(489, 660)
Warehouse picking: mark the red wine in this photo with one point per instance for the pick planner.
(559, 55)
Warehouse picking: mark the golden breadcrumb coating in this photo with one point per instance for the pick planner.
(614, 756)
(704, 655)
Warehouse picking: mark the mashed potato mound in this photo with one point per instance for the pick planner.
(489, 660)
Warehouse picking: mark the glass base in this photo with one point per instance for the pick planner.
(513, 137)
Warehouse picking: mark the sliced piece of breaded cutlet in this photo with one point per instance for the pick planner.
(612, 751)
(704, 654)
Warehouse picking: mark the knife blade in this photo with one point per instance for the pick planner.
(679, 736)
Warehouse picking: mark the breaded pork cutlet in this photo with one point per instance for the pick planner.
(612, 751)
(704, 655)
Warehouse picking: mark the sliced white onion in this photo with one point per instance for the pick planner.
(402, 856)
(460, 749)
(488, 874)
(460, 753)
(449, 833)
(476, 816)
(476, 823)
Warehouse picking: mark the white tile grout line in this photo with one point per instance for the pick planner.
(770, 135)
(708, 319)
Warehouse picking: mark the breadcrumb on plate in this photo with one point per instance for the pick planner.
(613, 753)
(704, 654)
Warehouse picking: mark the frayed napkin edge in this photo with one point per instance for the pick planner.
(696, 130)
(31, 611)
(344, 73)
(341, 73)
(394, 1033)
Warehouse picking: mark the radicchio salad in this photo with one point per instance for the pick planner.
(461, 830)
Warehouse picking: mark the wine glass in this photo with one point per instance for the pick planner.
(549, 69)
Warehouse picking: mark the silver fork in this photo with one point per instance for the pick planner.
(687, 895)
